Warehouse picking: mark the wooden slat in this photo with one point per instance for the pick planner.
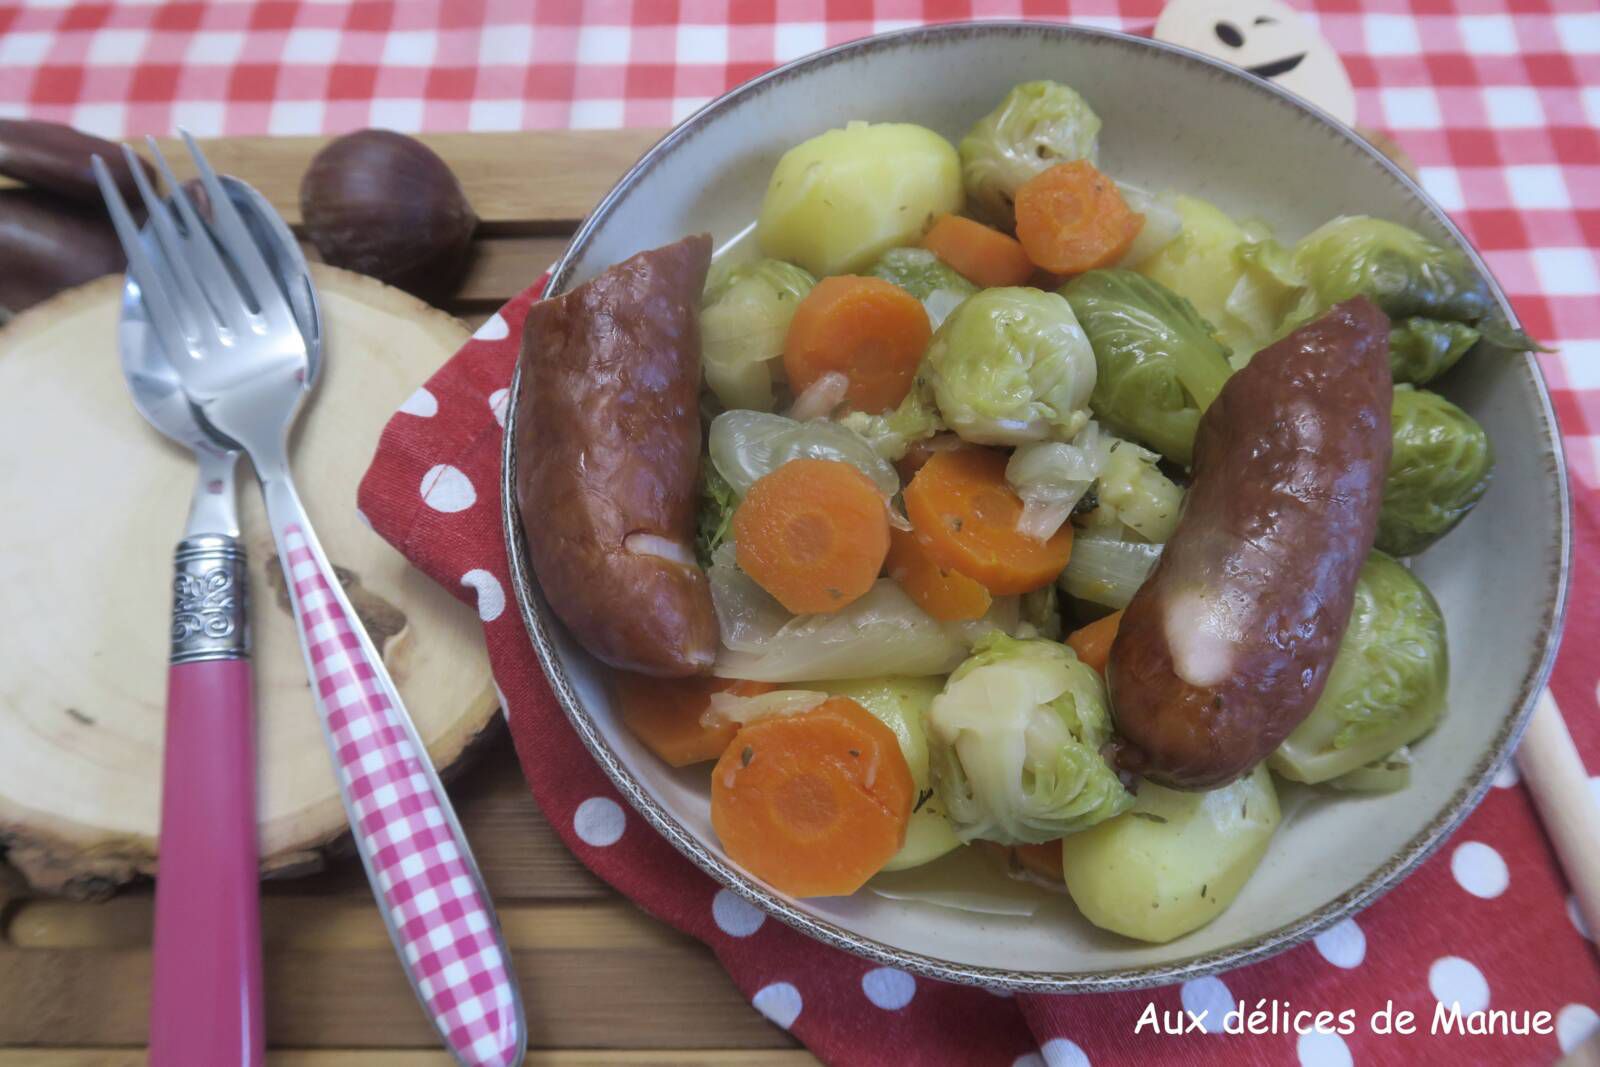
(672, 995)
(84, 1057)
(504, 266)
(526, 182)
(521, 857)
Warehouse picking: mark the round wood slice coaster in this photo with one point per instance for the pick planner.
(95, 499)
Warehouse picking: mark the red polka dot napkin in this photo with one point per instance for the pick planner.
(1486, 922)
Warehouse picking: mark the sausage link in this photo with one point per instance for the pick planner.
(1227, 646)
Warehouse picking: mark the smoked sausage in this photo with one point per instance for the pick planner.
(608, 458)
(1225, 649)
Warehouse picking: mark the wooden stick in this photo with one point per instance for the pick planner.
(1561, 791)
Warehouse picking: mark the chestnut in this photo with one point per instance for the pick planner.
(48, 244)
(55, 158)
(385, 204)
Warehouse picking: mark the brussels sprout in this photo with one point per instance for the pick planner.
(926, 277)
(1014, 742)
(1133, 489)
(715, 513)
(1387, 684)
(837, 202)
(1269, 299)
(1386, 774)
(1175, 861)
(1401, 271)
(1438, 470)
(1158, 367)
(746, 446)
(900, 703)
(1421, 349)
(744, 317)
(1010, 366)
(1037, 125)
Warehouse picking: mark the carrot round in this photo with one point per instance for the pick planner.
(1092, 643)
(813, 804)
(666, 714)
(871, 331)
(984, 256)
(1071, 218)
(947, 595)
(965, 517)
(813, 533)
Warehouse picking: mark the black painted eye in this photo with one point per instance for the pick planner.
(1229, 35)
(1265, 20)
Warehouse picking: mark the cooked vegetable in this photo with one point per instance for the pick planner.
(1157, 365)
(608, 457)
(837, 202)
(1007, 367)
(1041, 614)
(1071, 218)
(1224, 650)
(815, 803)
(1162, 222)
(1386, 774)
(1396, 268)
(1201, 264)
(1143, 499)
(715, 517)
(1092, 643)
(1036, 126)
(871, 331)
(1014, 742)
(965, 517)
(384, 204)
(1051, 477)
(984, 256)
(900, 703)
(1421, 349)
(926, 277)
(883, 632)
(1175, 861)
(1042, 861)
(947, 595)
(1387, 685)
(669, 714)
(813, 533)
(746, 446)
(1438, 470)
(744, 318)
(1107, 570)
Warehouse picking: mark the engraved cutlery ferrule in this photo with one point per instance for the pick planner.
(210, 599)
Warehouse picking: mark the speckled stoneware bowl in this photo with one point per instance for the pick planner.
(1173, 119)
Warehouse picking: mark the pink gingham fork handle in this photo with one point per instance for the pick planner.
(421, 869)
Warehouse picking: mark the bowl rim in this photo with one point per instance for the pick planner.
(1388, 874)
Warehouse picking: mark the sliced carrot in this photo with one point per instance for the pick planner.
(947, 595)
(813, 533)
(1071, 218)
(871, 331)
(965, 516)
(1092, 643)
(1043, 860)
(813, 804)
(918, 452)
(984, 256)
(666, 714)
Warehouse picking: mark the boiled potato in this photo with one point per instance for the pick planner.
(1175, 861)
(1200, 264)
(899, 703)
(837, 202)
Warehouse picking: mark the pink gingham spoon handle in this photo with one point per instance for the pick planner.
(417, 859)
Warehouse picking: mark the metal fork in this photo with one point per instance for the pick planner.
(232, 338)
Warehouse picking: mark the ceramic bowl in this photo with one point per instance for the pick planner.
(1173, 119)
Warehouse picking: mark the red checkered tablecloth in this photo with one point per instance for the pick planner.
(1496, 101)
